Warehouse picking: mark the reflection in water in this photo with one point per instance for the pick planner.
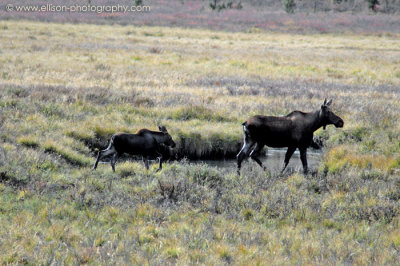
(273, 161)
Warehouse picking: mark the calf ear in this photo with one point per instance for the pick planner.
(329, 102)
(162, 129)
(324, 102)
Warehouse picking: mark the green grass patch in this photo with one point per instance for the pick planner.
(28, 141)
(172, 253)
(67, 154)
(197, 112)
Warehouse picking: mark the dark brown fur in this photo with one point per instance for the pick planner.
(145, 143)
(294, 130)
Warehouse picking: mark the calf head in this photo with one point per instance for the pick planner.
(328, 117)
(167, 140)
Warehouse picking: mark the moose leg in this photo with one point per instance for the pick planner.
(255, 152)
(288, 155)
(303, 157)
(243, 153)
(103, 154)
(146, 162)
(113, 161)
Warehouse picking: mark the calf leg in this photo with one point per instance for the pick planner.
(254, 155)
(102, 154)
(288, 155)
(303, 157)
(97, 160)
(160, 159)
(243, 154)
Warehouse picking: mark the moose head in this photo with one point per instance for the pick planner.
(168, 139)
(328, 117)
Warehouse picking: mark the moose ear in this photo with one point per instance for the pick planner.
(329, 102)
(324, 102)
(162, 129)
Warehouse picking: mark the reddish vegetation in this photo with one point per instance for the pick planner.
(198, 14)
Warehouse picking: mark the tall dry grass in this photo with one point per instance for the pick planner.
(66, 88)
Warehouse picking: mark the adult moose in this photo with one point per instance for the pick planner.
(294, 130)
(145, 142)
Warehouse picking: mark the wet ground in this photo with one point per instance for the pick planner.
(273, 160)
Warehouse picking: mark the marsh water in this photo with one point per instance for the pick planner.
(273, 160)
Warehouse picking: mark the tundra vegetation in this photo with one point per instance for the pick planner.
(66, 88)
(305, 16)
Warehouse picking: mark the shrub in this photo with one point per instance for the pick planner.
(372, 4)
(224, 254)
(206, 176)
(217, 5)
(289, 6)
(248, 214)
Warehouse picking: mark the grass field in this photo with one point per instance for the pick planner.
(66, 88)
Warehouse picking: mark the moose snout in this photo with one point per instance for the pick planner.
(339, 123)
